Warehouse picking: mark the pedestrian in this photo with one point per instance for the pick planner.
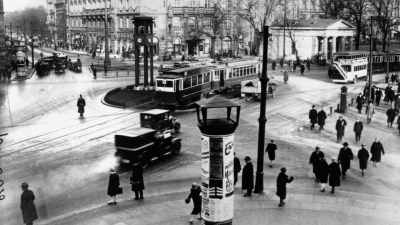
(373, 94)
(387, 78)
(360, 102)
(391, 95)
(366, 91)
(386, 98)
(281, 62)
(302, 69)
(334, 175)
(94, 72)
(41, 55)
(295, 65)
(5, 71)
(281, 182)
(345, 157)
(340, 128)
(271, 148)
(370, 110)
(397, 103)
(247, 177)
(28, 207)
(285, 76)
(9, 73)
(398, 124)
(313, 116)
(376, 151)
(91, 67)
(393, 78)
(330, 72)
(236, 168)
(391, 115)
(321, 118)
(358, 128)
(113, 187)
(137, 180)
(195, 195)
(378, 96)
(363, 157)
(315, 160)
(323, 173)
(81, 105)
(273, 65)
(308, 63)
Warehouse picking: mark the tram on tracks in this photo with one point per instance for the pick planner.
(184, 85)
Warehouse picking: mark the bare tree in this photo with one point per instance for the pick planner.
(292, 24)
(333, 9)
(257, 13)
(358, 10)
(386, 16)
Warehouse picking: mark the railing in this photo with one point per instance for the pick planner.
(340, 69)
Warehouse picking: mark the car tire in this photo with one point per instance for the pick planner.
(176, 148)
(177, 128)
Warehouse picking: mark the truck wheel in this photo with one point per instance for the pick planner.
(176, 148)
(177, 127)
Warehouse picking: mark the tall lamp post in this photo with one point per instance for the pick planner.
(107, 62)
(284, 30)
(370, 60)
(259, 187)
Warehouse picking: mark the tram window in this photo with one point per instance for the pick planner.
(200, 78)
(234, 72)
(207, 77)
(216, 75)
(241, 71)
(194, 81)
(187, 82)
(248, 70)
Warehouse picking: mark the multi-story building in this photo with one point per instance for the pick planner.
(51, 18)
(61, 20)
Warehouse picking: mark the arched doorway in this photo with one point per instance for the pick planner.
(227, 43)
(177, 45)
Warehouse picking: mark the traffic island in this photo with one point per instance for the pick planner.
(129, 96)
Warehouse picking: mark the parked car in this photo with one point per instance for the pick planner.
(159, 119)
(75, 65)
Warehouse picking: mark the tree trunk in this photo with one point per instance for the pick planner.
(213, 39)
(384, 41)
(358, 37)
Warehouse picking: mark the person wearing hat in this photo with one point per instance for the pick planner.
(334, 175)
(27, 206)
(345, 157)
(391, 95)
(236, 168)
(137, 180)
(370, 110)
(113, 186)
(391, 115)
(359, 102)
(315, 160)
(340, 128)
(358, 128)
(376, 151)
(271, 148)
(398, 123)
(248, 177)
(363, 157)
(195, 194)
(281, 182)
(323, 173)
(321, 118)
(378, 96)
(313, 116)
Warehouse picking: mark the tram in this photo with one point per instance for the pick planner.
(184, 85)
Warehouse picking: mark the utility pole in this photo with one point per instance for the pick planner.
(370, 60)
(32, 45)
(284, 31)
(107, 62)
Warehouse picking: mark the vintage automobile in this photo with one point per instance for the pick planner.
(159, 119)
(75, 65)
(144, 145)
(251, 89)
(42, 67)
(49, 60)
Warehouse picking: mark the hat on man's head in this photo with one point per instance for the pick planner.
(363, 144)
(333, 158)
(247, 158)
(345, 144)
(313, 106)
(272, 140)
(317, 148)
(283, 169)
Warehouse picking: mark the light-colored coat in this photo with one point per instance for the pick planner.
(370, 110)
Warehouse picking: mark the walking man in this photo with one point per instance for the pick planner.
(340, 128)
(345, 157)
(370, 110)
(363, 157)
(81, 105)
(334, 175)
(94, 72)
(302, 69)
(27, 206)
(386, 98)
(271, 148)
(315, 160)
(358, 128)
(248, 177)
(324, 173)
(391, 95)
(360, 102)
(285, 76)
(281, 62)
(281, 182)
(376, 151)
(137, 180)
(195, 194)
(236, 168)
(313, 116)
(321, 118)
(378, 96)
(391, 115)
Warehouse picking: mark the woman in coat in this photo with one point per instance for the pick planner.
(281, 182)
(81, 105)
(334, 175)
(285, 76)
(370, 111)
(137, 180)
(363, 156)
(321, 118)
(248, 177)
(360, 102)
(28, 208)
(345, 157)
(271, 148)
(340, 128)
(376, 151)
(195, 195)
(323, 173)
(113, 186)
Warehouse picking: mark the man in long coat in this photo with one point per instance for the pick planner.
(271, 148)
(137, 180)
(195, 192)
(340, 128)
(315, 160)
(321, 118)
(391, 95)
(313, 116)
(363, 157)
(345, 157)
(323, 174)
(81, 105)
(370, 110)
(391, 115)
(358, 128)
(236, 168)
(360, 102)
(281, 182)
(378, 96)
(248, 177)
(113, 186)
(27, 207)
(386, 98)
(334, 175)
(376, 151)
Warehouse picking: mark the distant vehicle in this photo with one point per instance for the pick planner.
(349, 66)
(251, 89)
(75, 65)
(159, 119)
(42, 67)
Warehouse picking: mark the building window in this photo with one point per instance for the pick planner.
(120, 22)
(177, 3)
(207, 3)
(192, 3)
(127, 22)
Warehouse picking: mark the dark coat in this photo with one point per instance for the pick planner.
(281, 182)
(113, 184)
(345, 157)
(340, 125)
(378, 94)
(195, 196)
(248, 176)
(27, 207)
(363, 156)
(376, 151)
(358, 127)
(315, 159)
(236, 165)
(321, 117)
(137, 178)
(391, 95)
(391, 114)
(360, 102)
(313, 116)
(334, 174)
(271, 147)
(323, 172)
(372, 93)
(81, 105)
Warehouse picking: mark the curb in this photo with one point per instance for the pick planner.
(110, 105)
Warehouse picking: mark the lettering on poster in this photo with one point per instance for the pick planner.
(229, 184)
